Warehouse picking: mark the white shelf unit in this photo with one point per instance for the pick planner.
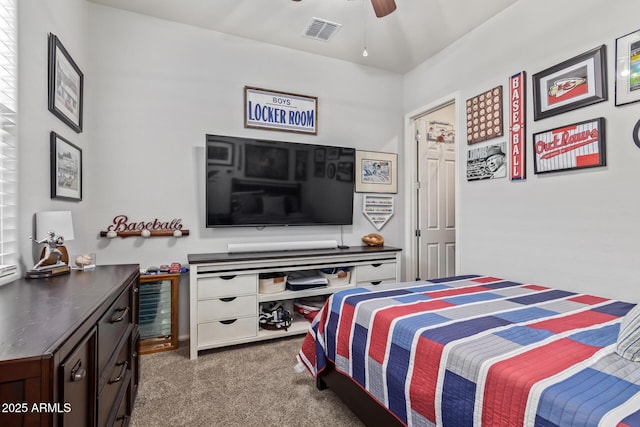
(224, 297)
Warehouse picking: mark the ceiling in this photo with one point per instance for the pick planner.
(398, 42)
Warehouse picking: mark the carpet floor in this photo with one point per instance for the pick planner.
(245, 386)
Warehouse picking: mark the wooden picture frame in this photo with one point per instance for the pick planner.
(376, 172)
(283, 111)
(572, 84)
(484, 116)
(66, 169)
(575, 146)
(66, 85)
(627, 88)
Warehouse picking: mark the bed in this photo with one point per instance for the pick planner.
(478, 350)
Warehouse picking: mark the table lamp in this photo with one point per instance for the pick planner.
(52, 229)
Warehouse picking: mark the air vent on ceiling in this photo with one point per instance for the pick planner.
(321, 29)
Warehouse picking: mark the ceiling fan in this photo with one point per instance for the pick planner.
(381, 7)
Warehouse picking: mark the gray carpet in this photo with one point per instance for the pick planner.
(245, 386)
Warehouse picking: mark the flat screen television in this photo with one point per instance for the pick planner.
(259, 183)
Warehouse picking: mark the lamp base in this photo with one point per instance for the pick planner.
(48, 271)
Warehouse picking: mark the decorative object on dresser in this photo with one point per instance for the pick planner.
(373, 239)
(70, 345)
(66, 85)
(121, 227)
(56, 226)
(226, 298)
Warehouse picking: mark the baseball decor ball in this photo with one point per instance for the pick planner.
(145, 233)
(83, 260)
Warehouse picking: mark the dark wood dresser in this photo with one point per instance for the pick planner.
(69, 348)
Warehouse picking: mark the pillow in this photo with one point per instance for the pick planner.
(273, 206)
(628, 344)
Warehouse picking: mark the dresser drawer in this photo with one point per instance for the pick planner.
(118, 377)
(112, 328)
(225, 330)
(225, 308)
(224, 286)
(376, 272)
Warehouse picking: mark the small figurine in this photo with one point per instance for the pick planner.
(52, 242)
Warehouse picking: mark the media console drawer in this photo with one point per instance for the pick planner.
(227, 285)
(225, 308)
(226, 330)
(376, 272)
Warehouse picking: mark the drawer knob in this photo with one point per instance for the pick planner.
(377, 282)
(228, 322)
(228, 277)
(116, 319)
(78, 373)
(376, 265)
(123, 369)
(227, 299)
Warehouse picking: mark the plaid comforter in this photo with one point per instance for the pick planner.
(480, 351)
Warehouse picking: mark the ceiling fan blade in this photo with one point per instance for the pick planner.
(383, 7)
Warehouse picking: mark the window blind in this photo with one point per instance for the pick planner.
(8, 137)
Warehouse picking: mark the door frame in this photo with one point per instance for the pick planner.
(411, 179)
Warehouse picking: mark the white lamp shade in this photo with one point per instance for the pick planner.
(57, 221)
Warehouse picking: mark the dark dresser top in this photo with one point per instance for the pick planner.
(254, 256)
(36, 315)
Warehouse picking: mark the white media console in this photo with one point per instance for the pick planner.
(225, 298)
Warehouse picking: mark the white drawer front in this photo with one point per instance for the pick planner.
(374, 283)
(215, 332)
(224, 286)
(376, 272)
(227, 308)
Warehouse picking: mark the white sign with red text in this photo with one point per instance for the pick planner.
(576, 146)
(517, 169)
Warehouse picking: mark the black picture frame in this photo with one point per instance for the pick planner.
(575, 146)
(66, 169)
(66, 85)
(571, 84)
(627, 87)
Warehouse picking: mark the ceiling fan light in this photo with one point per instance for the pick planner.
(364, 52)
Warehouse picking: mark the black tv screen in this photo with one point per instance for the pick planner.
(258, 183)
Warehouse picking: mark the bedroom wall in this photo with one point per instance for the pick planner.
(577, 230)
(36, 19)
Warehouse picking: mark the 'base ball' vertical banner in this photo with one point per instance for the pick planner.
(576, 146)
(517, 107)
(270, 109)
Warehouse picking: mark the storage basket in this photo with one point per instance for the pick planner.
(272, 283)
(336, 276)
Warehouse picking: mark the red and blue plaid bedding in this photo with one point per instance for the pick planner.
(480, 351)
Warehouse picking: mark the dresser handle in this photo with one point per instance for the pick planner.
(228, 277)
(78, 373)
(124, 419)
(227, 299)
(228, 322)
(122, 371)
(121, 317)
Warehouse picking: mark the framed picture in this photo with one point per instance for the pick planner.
(484, 116)
(628, 68)
(66, 169)
(266, 162)
(376, 172)
(219, 153)
(488, 162)
(572, 84)
(576, 146)
(66, 85)
(283, 111)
